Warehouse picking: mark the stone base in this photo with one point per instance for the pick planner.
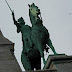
(61, 62)
(46, 70)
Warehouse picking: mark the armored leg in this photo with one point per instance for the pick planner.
(26, 63)
(35, 59)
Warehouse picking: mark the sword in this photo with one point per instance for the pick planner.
(8, 6)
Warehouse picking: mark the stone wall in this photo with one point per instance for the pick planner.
(8, 62)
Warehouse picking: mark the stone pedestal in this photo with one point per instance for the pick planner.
(46, 70)
(61, 62)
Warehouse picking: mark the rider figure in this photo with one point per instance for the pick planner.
(25, 30)
(30, 56)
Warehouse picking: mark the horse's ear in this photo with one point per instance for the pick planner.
(28, 5)
(33, 4)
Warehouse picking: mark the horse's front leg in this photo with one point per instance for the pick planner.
(40, 48)
(51, 46)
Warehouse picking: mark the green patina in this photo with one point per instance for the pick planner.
(35, 39)
(40, 35)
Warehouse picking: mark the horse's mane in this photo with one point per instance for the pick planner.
(32, 19)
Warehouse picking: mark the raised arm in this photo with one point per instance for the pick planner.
(13, 16)
(15, 22)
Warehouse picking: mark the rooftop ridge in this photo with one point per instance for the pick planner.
(1, 33)
(4, 40)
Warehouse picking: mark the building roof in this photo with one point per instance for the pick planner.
(4, 40)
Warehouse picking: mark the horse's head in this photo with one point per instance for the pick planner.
(34, 10)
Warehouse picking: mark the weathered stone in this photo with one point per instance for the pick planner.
(62, 63)
(8, 62)
(3, 49)
(46, 70)
(7, 70)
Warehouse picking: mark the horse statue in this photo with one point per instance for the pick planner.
(39, 34)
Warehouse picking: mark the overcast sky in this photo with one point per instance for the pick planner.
(57, 18)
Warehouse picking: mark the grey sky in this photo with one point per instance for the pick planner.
(57, 18)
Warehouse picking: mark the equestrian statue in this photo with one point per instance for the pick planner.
(35, 39)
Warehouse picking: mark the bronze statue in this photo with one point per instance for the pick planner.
(39, 34)
(30, 56)
(35, 39)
